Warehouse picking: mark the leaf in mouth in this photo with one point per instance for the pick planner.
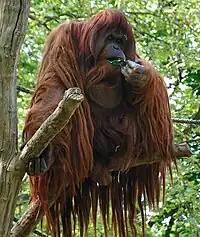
(116, 61)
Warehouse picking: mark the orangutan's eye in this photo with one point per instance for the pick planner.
(119, 41)
(110, 38)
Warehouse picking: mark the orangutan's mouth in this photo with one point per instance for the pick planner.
(117, 61)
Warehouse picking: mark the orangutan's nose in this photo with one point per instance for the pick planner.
(116, 47)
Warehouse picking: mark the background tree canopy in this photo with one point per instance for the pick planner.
(167, 34)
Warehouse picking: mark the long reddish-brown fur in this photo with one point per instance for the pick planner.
(70, 61)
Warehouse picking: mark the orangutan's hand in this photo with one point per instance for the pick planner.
(40, 164)
(133, 71)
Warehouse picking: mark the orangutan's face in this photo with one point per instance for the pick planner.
(114, 46)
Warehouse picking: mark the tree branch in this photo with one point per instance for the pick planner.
(35, 231)
(180, 150)
(48, 130)
(26, 223)
(25, 90)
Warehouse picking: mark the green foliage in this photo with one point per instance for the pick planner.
(168, 34)
(193, 80)
(180, 215)
(23, 199)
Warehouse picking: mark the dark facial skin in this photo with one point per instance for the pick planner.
(109, 92)
(114, 46)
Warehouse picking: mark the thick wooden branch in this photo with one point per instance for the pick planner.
(180, 150)
(34, 213)
(49, 129)
(30, 218)
(104, 176)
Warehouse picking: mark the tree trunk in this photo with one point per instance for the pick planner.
(13, 23)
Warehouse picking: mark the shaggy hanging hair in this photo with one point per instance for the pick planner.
(70, 60)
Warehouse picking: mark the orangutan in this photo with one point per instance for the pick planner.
(125, 116)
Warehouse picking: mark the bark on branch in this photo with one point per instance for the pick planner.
(49, 129)
(180, 150)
